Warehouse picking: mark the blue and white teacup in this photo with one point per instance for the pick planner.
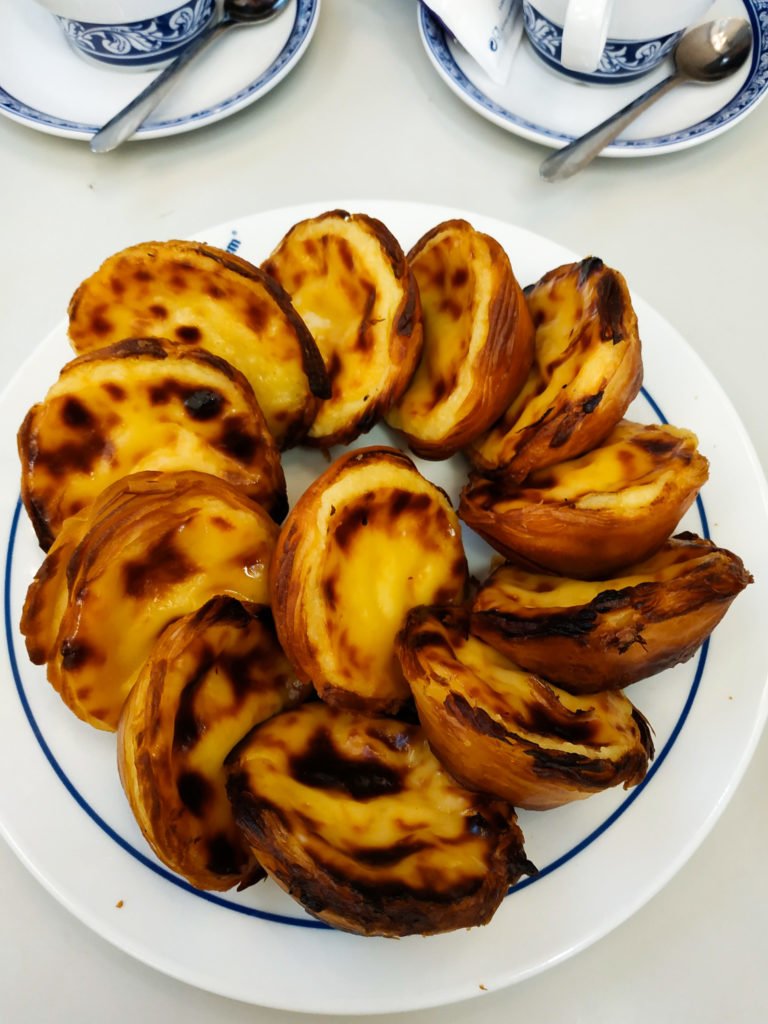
(131, 34)
(607, 41)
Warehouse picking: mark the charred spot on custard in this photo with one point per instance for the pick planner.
(406, 501)
(329, 591)
(345, 254)
(658, 445)
(223, 856)
(73, 456)
(75, 414)
(388, 856)
(158, 310)
(322, 766)
(115, 392)
(188, 333)
(570, 727)
(100, 324)
(334, 368)
(194, 792)
(188, 728)
(74, 654)
(611, 308)
(459, 277)
(163, 565)
(350, 521)
(590, 404)
(451, 308)
(238, 442)
(159, 394)
(257, 316)
(203, 403)
(310, 247)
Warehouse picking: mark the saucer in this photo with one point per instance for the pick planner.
(539, 104)
(45, 85)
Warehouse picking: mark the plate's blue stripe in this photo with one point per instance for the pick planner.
(634, 793)
(78, 797)
(301, 922)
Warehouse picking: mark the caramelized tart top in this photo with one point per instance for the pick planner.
(370, 539)
(587, 368)
(143, 404)
(367, 801)
(200, 296)
(350, 281)
(153, 547)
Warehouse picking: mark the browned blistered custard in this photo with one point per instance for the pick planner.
(356, 819)
(505, 731)
(587, 368)
(595, 635)
(153, 547)
(326, 702)
(210, 678)
(143, 404)
(203, 297)
(478, 340)
(370, 539)
(352, 285)
(591, 516)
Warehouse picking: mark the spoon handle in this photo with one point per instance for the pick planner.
(125, 122)
(582, 151)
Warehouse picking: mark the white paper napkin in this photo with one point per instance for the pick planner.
(489, 30)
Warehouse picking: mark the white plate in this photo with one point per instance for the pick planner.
(62, 809)
(45, 85)
(539, 104)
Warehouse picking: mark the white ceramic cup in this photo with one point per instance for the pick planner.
(607, 40)
(130, 34)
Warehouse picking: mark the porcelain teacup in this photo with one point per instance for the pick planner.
(607, 41)
(130, 34)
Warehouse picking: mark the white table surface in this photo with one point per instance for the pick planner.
(364, 115)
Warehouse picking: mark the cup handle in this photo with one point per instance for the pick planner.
(584, 34)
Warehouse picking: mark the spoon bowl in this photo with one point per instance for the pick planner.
(711, 52)
(705, 54)
(123, 125)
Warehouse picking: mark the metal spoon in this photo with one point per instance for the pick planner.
(706, 53)
(124, 124)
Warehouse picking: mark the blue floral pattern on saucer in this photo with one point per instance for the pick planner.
(140, 44)
(622, 60)
(304, 24)
(436, 42)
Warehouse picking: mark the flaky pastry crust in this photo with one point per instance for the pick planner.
(606, 634)
(587, 368)
(478, 340)
(209, 679)
(504, 731)
(591, 517)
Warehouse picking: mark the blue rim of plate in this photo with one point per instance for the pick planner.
(435, 39)
(301, 32)
(308, 922)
